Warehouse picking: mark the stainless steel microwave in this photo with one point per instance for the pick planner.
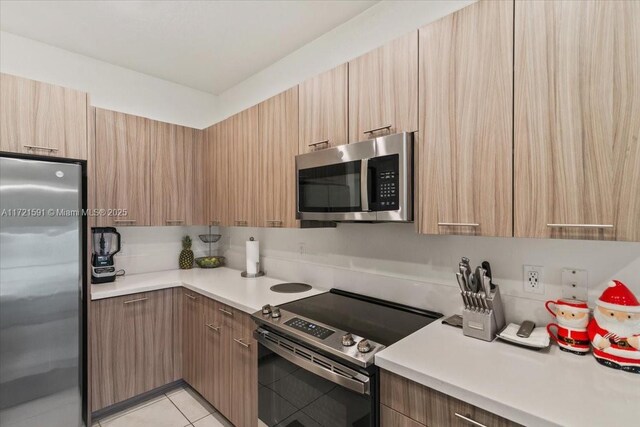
(366, 181)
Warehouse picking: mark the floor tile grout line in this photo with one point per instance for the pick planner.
(182, 413)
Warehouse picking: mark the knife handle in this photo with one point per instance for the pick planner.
(487, 266)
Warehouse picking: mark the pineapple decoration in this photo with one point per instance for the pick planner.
(186, 254)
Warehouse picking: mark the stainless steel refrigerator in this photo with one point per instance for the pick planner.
(42, 292)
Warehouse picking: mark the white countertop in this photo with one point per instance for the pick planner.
(533, 388)
(222, 284)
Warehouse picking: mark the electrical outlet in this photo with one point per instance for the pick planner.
(575, 284)
(301, 248)
(533, 279)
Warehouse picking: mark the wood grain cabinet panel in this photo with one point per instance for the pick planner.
(278, 147)
(464, 182)
(198, 172)
(244, 373)
(323, 110)
(391, 418)
(577, 119)
(122, 167)
(219, 175)
(43, 119)
(242, 138)
(217, 358)
(383, 89)
(193, 339)
(132, 344)
(169, 147)
(429, 407)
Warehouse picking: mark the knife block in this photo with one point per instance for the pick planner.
(485, 326)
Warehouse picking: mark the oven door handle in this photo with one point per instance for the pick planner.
(364, 184)
(313, 362)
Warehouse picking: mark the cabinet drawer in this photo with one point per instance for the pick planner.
(391, 418)
(430, 407)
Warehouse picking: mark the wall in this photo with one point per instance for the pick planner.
(391, 261)
(374, 27)
(110, 86)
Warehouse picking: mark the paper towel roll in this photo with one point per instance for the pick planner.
(253, 256)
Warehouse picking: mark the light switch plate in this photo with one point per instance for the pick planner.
(575, 284)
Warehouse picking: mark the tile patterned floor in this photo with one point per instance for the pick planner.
(181, 407)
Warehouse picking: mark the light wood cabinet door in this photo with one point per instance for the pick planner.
(122, 167)
(242, 138)
(43, 119)
(577, 120)
(219, 175)
(244, 373)
(169, 147)
(278, 147)
(193, 335)
(383, 90)
(323, 110)
(428, 407)
(131, 340)
(198, 172)
(464, 179)
(217, 361)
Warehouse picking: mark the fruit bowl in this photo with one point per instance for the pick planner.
(210, 261)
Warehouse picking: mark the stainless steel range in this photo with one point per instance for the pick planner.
(316, 357)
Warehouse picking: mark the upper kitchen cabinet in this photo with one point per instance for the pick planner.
(198, 173)
(122, 168)
(464, 182)
(170, 145)
(43, 119)
(241, 136)
(323, 110)
(577, 120)
(218, 174)
(278, 138)
(383, 90)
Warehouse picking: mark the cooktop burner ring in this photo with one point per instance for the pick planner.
(290, 288)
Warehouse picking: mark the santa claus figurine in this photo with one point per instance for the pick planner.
(614, 330)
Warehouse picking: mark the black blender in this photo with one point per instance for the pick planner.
(103, 268)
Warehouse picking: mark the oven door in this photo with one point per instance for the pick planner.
(300, 388)
(333, 184)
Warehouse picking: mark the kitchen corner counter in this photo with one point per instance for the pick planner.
(222, 284)
(532, 388)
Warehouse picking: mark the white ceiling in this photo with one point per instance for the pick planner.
(206, 45)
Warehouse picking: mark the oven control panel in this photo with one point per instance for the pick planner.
(309, 328)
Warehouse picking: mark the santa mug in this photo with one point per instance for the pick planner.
(569, 313)
(574, 341)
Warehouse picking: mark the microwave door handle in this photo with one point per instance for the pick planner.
(364, 184)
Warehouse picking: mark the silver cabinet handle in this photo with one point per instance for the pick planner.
(227, 312)
(190, 296)
(120, 221)
(274, 222)
(38, 147)
(326, 141)
(131, 301)
(469, 420)
(174, 221)
(580, 225)
(388, 127)
(241, 223)
(458, 224)
(214, 328)
(239, 341)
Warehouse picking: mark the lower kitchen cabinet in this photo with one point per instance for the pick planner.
(244, 373)
(193, 305)
(404, 403)
(132, 346)
(217, 357)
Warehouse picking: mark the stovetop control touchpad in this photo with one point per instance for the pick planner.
(309, 328)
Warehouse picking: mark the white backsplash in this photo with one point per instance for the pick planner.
(148, 249)
(392, 262)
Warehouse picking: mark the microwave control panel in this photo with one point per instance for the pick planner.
(387, 183)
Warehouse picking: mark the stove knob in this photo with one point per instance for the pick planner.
(266, 309)
(347, 340)
(275, 313)
(364, 346)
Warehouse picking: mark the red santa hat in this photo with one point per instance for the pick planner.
(618, 297)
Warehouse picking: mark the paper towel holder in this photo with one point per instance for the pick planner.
(250, 275)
